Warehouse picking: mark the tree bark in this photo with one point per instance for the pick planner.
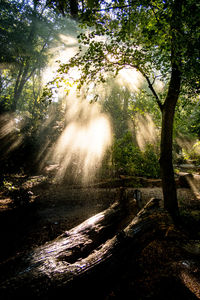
(166, 159)
(77, 265)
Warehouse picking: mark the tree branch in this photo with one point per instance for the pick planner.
(150, 85)
(145, 76)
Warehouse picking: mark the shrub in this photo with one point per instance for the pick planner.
(151, 167)
(128, 159)
(193, 153)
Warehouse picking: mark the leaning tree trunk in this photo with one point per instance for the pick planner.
(81, 263)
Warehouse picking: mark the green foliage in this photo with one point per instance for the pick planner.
(187, 117)
(194, 120)
(151, 162)
(130, 160)
(139, 34)
(193, 153)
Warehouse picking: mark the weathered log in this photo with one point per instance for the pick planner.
(88, 256)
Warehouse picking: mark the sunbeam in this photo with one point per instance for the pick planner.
(81, 147)
(10, 139)
(61, 54)
(130, 78)
(146, 131)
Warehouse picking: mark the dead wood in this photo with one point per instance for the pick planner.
(90, 256)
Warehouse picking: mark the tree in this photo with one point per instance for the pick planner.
(159, 39)
(27, 32)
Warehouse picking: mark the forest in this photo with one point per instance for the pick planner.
(100, 149)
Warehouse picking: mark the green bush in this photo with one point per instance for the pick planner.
(151, 167)
(128, 159)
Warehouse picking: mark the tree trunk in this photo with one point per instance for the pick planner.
(91, 256)
(168, 111)
(19, 85)
(166, 159)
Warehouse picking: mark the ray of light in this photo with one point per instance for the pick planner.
(146, 131)
(83, 143)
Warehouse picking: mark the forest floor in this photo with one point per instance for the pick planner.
(50, 209)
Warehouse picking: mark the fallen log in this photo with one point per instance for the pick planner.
(92, 255)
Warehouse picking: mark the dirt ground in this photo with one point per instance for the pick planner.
(52, 209)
